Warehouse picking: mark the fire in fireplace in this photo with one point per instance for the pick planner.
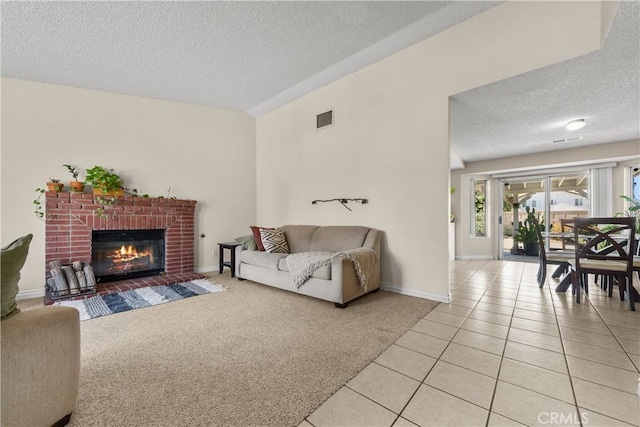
(127, 254)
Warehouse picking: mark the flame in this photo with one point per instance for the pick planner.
(128, 253)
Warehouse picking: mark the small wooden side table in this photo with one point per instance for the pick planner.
(232, 263)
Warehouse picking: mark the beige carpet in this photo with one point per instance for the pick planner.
(252, 355)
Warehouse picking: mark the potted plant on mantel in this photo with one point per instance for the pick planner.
(76, 186)
(527, 234)
(54, 185)
(105, 182)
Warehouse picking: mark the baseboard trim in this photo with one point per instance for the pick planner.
(475, 257)
(207, 269)
(30, 294)
(415, 293)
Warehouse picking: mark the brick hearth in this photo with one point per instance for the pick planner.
(125, 285)
(71, 217)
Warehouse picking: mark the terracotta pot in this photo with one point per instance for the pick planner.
(116, 193)
(55, 186)
(76, 186)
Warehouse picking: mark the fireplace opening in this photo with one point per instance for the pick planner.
(127, 254)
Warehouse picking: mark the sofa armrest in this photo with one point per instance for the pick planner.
(40, 366)
(372, 241)
(346, 286)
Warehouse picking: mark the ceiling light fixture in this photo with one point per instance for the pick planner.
(576, 124)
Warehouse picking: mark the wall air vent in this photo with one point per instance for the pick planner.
(558, 141)
(324, 120)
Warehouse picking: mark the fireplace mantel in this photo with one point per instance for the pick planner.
(71, 217)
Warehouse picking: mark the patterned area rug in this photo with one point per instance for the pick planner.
(103, 305)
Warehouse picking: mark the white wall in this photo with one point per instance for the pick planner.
(390, 142)
(468, 247)
(203, 153)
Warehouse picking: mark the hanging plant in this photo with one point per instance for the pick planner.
(37, 202)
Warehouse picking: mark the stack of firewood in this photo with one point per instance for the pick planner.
(77, 278)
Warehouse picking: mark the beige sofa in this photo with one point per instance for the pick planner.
(40, 367)
(336, 282)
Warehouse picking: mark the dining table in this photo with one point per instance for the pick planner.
(569, 239)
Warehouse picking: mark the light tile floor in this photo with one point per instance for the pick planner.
(503, 353)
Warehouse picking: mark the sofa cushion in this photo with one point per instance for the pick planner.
(256, 235)
(262, 259)
(321, 273)
(338, 238)
(12, 258)
(274, 241)
(299, 237)
(248, 242)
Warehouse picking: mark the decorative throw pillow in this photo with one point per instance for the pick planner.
(248, 241)
(256, 234)
(274, 241)
(12, 258)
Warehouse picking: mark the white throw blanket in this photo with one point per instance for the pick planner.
(302, 265)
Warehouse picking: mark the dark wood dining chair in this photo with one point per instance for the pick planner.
(636, 256)
(560, 258)
(616, 235)
(566, 228)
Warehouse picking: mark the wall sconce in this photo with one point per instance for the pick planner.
(343, 202)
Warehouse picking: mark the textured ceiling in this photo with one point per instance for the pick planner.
(524, 114)
(237, 55)
(257, 56)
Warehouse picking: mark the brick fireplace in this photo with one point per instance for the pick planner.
(72, 217)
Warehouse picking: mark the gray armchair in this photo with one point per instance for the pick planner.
(40, 367)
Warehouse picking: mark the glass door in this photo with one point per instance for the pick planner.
(522, 197)
(568, 198)
(550, 199)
